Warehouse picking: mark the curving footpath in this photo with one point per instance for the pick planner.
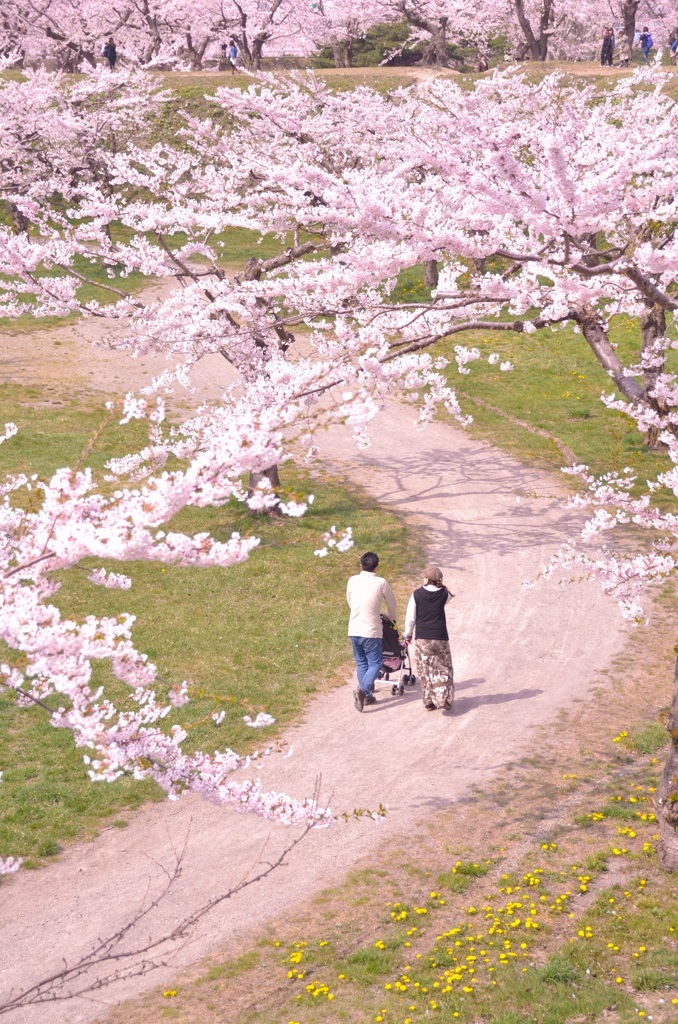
(519, 655)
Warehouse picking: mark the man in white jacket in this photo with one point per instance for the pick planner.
(365, 594)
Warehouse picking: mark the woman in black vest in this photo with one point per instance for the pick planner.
(425, 618)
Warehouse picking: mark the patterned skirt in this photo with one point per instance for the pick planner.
(436, 675)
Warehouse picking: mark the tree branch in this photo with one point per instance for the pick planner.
(56, 987)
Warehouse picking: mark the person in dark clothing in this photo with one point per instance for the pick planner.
(110, 53)
(425, 619)
(607, 49)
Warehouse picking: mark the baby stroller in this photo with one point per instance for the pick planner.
(396, 658)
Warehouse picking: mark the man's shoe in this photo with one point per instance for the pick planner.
(359, 699)
(370, 698)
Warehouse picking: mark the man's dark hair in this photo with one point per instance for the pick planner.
(369, 561)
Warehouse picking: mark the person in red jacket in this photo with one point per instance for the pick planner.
(425, 620)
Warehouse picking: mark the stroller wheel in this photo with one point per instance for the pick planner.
(401, 689)
(406, 677)
(386, 676)
(413, 680)
(381, 674)
(394, 690)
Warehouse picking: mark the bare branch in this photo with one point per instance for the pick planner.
(143, 957)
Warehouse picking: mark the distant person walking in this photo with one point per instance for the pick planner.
(624, 52)
(110, 53)
(646, 43)
(232, 54)
(425, 620)
(607, 49)
(366, 593)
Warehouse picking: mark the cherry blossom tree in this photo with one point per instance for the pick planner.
(56, 134)
(338, 23)
(180, 31)
(153, 32)
(543, 29)
(127, 515)
(71, 32)
(74, 518)
(580, 232)
(541, 204)
(530, 197)
(536, 29)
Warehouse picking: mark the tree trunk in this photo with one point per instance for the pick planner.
(431, 274)
(436, 51)
(629, 11)
(545, 28)
(595, 332)
(272, 475)
(348, 53)
(194, 58)
(19, 220)
(666, 800)
(338, 55)
(537, 47)
(653, 326)
(530, 41)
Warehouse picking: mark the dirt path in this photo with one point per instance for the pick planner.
(520, 655)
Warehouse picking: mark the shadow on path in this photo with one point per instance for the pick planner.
(464, 704)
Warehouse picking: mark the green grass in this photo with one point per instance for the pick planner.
(554, 388)
(648, 740)
(265, 634)
(459, 878)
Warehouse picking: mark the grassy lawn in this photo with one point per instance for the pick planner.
(537, 901)
(264, 634)
(555, 388)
